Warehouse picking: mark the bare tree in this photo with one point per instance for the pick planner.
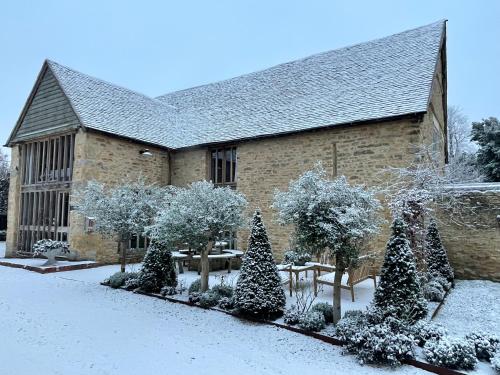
(458, 132)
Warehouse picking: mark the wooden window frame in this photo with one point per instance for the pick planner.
(213, 170)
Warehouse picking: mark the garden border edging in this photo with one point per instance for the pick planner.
(327, 339)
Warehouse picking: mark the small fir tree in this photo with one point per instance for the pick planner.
(258, 291)
(158, 268)
(437, 258)
(399, 293)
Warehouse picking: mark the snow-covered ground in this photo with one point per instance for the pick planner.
(67, 323)
(472, 305)
(2, 249)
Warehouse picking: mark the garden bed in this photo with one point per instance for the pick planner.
(36, 265)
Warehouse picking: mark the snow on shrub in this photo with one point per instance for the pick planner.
(208, 299)
(226, 303)
(158, 269)
(296, 258)
(195, 286)
(326, 309)
(441, 280)
(385, 343)
(437, 258)
(424, 331)
(433, 291)
(223, 290)
(451, 352)
(258, 290)
(495, 360)
(352, 322)
(41, 247)
(399, 292)
(312, 321)
(168, 291)
(484, 343)
(292, 316)
(118, 279)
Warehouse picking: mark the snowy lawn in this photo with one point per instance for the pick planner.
(473, 305)
(2, 249)
(67, 323)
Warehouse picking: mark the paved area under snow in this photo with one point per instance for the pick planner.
(67, 323)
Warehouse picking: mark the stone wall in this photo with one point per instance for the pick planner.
(472, 234)
(110, 160)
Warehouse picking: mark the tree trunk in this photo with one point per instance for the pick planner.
(205, 266)
(337, 280)
(123, 253)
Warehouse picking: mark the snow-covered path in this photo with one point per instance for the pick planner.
(67, 323)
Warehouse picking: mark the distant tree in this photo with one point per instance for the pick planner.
(487, 135)
(458, 132)
(330, 215)
(4, 182)
(463, 168)
(258, 290)
(198, 216)
(437, 258)
(121, 211)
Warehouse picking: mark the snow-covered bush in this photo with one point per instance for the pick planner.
(312, 321)
(384, 343)
(50, 249)
(451, 352)
(296, 258)
(329, 215)
(158, 268)
(398, 292)
(208, 299)
(227, 303)
(195, 286)
(132, 282)
(441, 280)
(326, 309)
(291, 316)
(495, 360)
(119, 279)
(485, 344)
(198, 216)
(433, 291)
(168, 291)
(437, 258)
(223, 290)
(194, 297)
(121, 211)
(424, 331)
(258, 290)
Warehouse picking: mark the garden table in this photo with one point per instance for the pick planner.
(292, 269)
(179, 258)
(227, 256)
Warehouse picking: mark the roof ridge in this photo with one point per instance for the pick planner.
(441, 21)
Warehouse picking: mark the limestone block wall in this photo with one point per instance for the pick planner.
(472, 234)
(110, 160)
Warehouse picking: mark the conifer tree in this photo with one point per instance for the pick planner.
(437, 258)
(258, 291)
(399, 293)
(158, 268)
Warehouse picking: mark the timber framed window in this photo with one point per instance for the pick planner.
(223, 163)
(46, 171)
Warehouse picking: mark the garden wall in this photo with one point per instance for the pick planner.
(472, 234)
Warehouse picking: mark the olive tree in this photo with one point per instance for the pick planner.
(121, 211)
(198, 216)
(332, 215)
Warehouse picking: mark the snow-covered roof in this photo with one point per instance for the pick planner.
(380, 79)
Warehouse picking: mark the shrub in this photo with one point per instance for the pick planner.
(168, 291)
(223, 290)
(296, 258)
(132, 283)
(485, 344)
(495, 360)
(382, 344)
(450, 352)
(291, 316)
(208, 299)
(441, 280)
(194, 297)
(433, 291)
(352, 322)
(424, 331)
(312, 321)
(42, 247)
(118, 279)
(195, 286)
(158, 268)
(437, 258)
(326, 309)
(226, 303)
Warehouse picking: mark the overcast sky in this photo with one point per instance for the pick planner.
(155, 47)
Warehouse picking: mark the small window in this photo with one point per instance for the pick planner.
(223, 166)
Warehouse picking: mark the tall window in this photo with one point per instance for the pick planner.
(223, 166)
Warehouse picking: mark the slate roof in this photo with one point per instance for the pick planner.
(380, 79)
